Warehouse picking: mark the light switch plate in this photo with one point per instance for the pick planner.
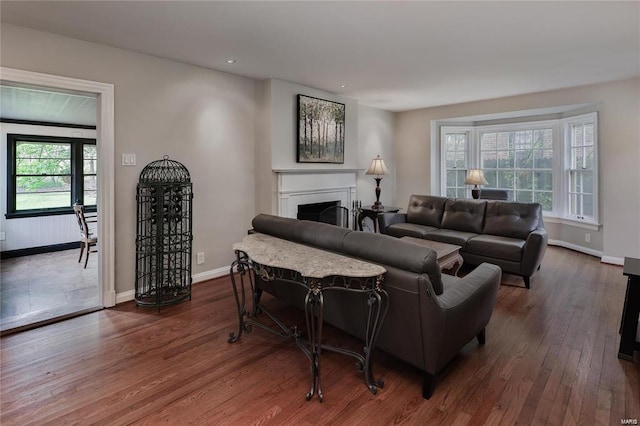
(128, 159)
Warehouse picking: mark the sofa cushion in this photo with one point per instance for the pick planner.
(497, 247)
(464, 215)
(516, 220)
(408, 230)
(450, 236)
(426, 210)
(394, 252)
(323, 235)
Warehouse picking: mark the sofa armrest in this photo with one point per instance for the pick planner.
(462, 291)
(534, 250)
(387, 219)
(459, 314)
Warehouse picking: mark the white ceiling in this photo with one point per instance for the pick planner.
(395, 55)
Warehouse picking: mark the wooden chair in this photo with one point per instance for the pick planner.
(335, 215)
(87, 237)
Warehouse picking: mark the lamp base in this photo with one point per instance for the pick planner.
(475, 193)
(377, 206)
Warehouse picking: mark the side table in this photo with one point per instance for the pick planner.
(373, 214)
(631, 310)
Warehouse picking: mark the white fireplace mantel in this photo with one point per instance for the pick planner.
(305, 186)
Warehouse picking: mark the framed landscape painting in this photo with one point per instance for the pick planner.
(320, 130)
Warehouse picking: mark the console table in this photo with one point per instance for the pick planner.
(629, 327)
(318, 271)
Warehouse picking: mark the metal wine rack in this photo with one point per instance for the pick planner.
(164, 234)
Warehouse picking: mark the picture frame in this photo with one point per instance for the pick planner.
(321, 126)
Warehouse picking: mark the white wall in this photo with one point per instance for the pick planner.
(376, 137)
(619, 144)
(35, 231)
(200, 117)
(365, 137)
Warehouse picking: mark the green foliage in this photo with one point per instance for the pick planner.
(45, 160)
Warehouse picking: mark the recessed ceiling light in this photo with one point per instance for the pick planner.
(231, 61)
(343, 85)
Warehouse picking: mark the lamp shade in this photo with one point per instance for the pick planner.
(475, 177)
(377, 167)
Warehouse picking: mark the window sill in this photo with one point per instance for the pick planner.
(42, 213)
(592, 226)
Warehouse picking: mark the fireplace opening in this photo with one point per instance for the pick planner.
(312, 211)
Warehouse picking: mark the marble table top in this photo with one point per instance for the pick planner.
(308, 261)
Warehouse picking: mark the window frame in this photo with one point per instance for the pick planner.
(524, 126)
(567, 135)
(561, 129)
(444, 131)
(77, 174)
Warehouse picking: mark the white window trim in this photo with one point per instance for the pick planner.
(444, 130)
(590, 118)
(560, 212)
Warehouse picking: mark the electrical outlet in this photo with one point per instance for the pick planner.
(587, 238)
(200, 258)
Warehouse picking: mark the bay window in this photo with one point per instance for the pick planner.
(552, 162)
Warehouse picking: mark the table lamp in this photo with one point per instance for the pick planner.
(475, 177)
(379, 169)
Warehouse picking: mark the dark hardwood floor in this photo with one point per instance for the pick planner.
(550, 357)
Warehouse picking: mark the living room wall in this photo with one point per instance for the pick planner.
(618, 111)
(203, 118)
(368, 132)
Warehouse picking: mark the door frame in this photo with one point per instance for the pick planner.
(105, 136)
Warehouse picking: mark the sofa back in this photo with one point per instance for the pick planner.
(464, 215)
(426, 210)
(516, 220)
(368, 246)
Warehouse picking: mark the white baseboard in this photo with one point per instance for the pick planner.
(597, 253)
(129, 295)
(612, 260)
(125, 296)
(209, 275)
(581, 249)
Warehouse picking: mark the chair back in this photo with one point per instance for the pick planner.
(335, 215)
(494, 194)
(78, 209)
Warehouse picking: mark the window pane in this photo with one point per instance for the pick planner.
(543, 181)
(524, 159)
(505, 159)
(451, 178)
(451, 193)
(90, 198)
(43, 158)
(450, 161)
(543, 159)
(573, 202)
(504, 142)
(545, 199)
(587, 182)
(42, 192)
(461, 193)
(524, 180)
(587, 205)
(576, 139)
(506, 179)
(460, 160)
(488, 142)
(589, 139)
(524, 196)
(489, 160)
(577, 158)
(490, 176)
(460, 175)
(588, 157)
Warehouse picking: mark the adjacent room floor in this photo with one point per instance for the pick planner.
(44, 287)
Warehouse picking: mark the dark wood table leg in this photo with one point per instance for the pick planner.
(630, 312)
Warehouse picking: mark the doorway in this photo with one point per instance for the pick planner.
(103, 93)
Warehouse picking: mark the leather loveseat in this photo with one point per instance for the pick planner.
(430, 316)
(508, 234)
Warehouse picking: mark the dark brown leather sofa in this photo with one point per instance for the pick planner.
(430, 316)
(508, 234)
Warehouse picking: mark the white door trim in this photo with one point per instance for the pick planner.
(105, 137)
